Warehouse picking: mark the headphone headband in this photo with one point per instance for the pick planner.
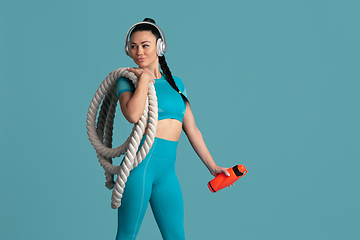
(163, 46)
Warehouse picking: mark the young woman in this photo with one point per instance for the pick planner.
(154, 180)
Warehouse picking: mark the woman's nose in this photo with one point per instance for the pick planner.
(139, 51)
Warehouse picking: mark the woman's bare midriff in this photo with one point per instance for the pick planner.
(168, 129)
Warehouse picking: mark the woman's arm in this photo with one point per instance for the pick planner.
(133, 104)
(197, 142)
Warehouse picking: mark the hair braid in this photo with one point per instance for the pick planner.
(168, 76)
(163, 64)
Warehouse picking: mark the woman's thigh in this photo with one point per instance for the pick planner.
(135, 200)
(167, 205)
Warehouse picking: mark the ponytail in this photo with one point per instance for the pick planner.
(168, 76)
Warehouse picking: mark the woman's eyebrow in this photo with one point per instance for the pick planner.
(141, 42)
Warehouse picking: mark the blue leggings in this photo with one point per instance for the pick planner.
(154, 180)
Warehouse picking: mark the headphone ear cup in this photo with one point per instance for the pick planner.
(127, 49)
(160, 47)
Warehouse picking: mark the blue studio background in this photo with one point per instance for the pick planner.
(273, 85)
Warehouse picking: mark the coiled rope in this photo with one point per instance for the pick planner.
(100, 135)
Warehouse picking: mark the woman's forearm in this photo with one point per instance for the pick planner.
(133, 107)
(197, 142)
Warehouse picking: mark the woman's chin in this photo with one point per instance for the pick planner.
(141, 64)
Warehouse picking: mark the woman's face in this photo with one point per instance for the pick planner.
(143, 49)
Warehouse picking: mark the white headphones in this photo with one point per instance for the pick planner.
(161, 46)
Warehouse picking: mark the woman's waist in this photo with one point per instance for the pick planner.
(162, 147)
(168, 129)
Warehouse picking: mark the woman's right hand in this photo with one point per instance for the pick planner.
(133, 104)
(143, 74)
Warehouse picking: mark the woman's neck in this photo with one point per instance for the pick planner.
(155, 71)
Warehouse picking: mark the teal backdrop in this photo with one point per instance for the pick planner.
(273, 85)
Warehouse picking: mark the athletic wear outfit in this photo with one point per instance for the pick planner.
(154, 180)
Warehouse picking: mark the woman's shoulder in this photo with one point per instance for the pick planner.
(178, 81)
(124, 79)
(124, 85)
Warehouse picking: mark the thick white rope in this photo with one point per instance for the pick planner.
(100, 135)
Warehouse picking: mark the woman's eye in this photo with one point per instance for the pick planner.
(132, 46)
(145, 46)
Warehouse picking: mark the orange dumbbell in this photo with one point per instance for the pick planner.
(221, 180)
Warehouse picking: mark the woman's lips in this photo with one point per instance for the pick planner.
(141, 59)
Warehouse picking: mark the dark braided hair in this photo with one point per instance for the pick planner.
(163, 64)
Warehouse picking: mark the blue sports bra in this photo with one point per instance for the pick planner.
(170, 103)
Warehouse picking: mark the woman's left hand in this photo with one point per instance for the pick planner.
(217, 170)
